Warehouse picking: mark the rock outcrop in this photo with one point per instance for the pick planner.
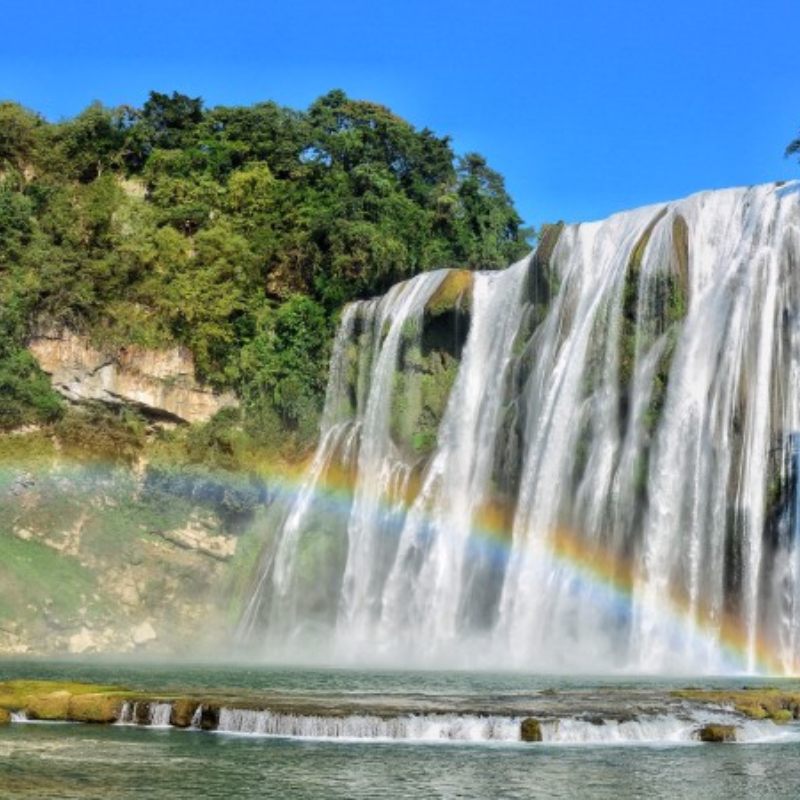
(428, 364)
(530, 730)
(160, 383)
(716, 733)
(97, 559)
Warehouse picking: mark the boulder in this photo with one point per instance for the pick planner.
(209, 718)
(182, 713)
(714, 732)
(530, 730)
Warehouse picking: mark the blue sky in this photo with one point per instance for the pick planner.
(586, 107)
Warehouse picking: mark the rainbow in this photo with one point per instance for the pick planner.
(594, 568)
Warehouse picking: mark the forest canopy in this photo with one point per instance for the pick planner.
(238, 232)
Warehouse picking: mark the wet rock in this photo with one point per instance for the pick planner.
(530, 730)
(141, 713)
(5, 717)
(209, 718)
(182, 713)
(716, 733)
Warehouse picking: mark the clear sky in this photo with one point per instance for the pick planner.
(585, 106)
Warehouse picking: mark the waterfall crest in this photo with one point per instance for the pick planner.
(587, 461)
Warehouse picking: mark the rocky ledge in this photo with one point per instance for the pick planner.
(394, 716)
(159, 383)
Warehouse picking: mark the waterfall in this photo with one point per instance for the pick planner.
(585, 462)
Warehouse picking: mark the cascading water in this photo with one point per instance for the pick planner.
(587, 461)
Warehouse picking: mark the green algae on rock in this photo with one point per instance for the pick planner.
(717, 733)
(530, 730)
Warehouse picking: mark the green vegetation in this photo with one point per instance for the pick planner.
(238, 232)
(62, 585)
(793, 148)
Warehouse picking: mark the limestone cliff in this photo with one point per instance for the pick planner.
(157, 382)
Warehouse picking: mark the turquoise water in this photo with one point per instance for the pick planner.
(80, 761)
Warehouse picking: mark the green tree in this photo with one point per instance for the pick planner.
(794, 148)
(93, 142)
(237, 232)
(488, 229)
(284, 369)
(20, 132)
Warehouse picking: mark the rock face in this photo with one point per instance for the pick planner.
(96, 559)
(428, 364)
(159, 382)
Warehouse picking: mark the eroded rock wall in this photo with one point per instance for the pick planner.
(158, 382)
(105, 559)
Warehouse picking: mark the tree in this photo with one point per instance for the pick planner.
(794, 148)
(284, 368)
(166, 122)
(19, 136)
(237, 232)
(489, 229)
(94, 141)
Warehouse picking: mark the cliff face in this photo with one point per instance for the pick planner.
(113, 559)
(157, 382)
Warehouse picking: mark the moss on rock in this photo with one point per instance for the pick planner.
(51, 707)
(182, 713)
(530, 730)
(97, 708)
(454, 293)
(716, 733)
(542, 282)
(680, 253)
(63, 701)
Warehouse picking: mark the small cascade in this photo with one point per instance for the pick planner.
(160, 715)
(153, 714)
(436, 727)
(672, 723)
(585, 462)
(664, 728)
(126, 714)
